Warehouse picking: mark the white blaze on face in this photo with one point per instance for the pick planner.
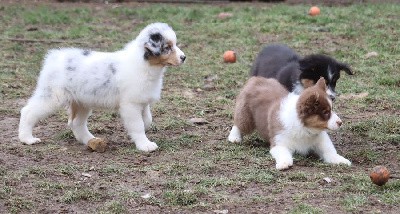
(330, 74)
(334, 121)
(329, 90)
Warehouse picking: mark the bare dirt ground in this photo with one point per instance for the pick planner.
(121, 170)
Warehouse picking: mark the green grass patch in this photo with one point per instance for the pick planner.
(195, 169)
(81, 193)
(384, 129)
(306, 208)
(181, 197)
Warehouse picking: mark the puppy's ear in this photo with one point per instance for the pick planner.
(310, 105)
(321, 84)
(154, 45)
(345, 67)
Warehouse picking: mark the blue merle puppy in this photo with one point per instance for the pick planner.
(129, 80)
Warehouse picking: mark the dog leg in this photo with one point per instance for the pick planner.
(234, 135)
(147, 119)
(36, 109)
(282, 156)
(78, 116)
(326, 150)
(134, 124)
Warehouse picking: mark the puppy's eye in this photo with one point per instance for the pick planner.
(326, 114)
(167, 48)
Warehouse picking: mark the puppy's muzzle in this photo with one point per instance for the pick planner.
(183, 58)
(180, 55)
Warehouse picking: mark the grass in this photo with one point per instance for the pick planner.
(382, 129)
(306, 208)
(195, 170)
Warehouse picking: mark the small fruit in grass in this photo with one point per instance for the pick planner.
(230, 56)
(314, 11)
(379, 175)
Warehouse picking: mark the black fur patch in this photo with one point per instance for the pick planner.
(156, 37)
(155, 46)
(86, 52)
(147, 54)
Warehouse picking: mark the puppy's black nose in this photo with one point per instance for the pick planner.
(333, 97)
(183, 57)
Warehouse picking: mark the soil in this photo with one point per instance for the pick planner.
(16, 156)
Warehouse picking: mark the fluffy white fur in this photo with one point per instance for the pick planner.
(81, 80)
(296, 138)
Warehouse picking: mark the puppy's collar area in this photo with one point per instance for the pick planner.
(312, 132)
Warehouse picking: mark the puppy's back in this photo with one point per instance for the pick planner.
(256, 104)
(271, 59)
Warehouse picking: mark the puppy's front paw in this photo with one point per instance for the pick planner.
(97, 144)
(30, 141)
(337, 159)
(284, 165)
(146, 146)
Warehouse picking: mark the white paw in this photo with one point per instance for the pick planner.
(284, 165)
(234, 139)
(337, 159)
(146, 146)
(30, 141)
(234, 135)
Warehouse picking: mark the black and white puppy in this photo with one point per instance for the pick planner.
(295, 73)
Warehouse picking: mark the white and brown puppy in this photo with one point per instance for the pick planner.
(129, 80)
(290, 122)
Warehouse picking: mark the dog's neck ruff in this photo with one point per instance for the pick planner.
(312, 132)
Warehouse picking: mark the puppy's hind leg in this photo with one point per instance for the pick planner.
(243, 121)
(37, 108)
(234, 135)
(78, 116)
